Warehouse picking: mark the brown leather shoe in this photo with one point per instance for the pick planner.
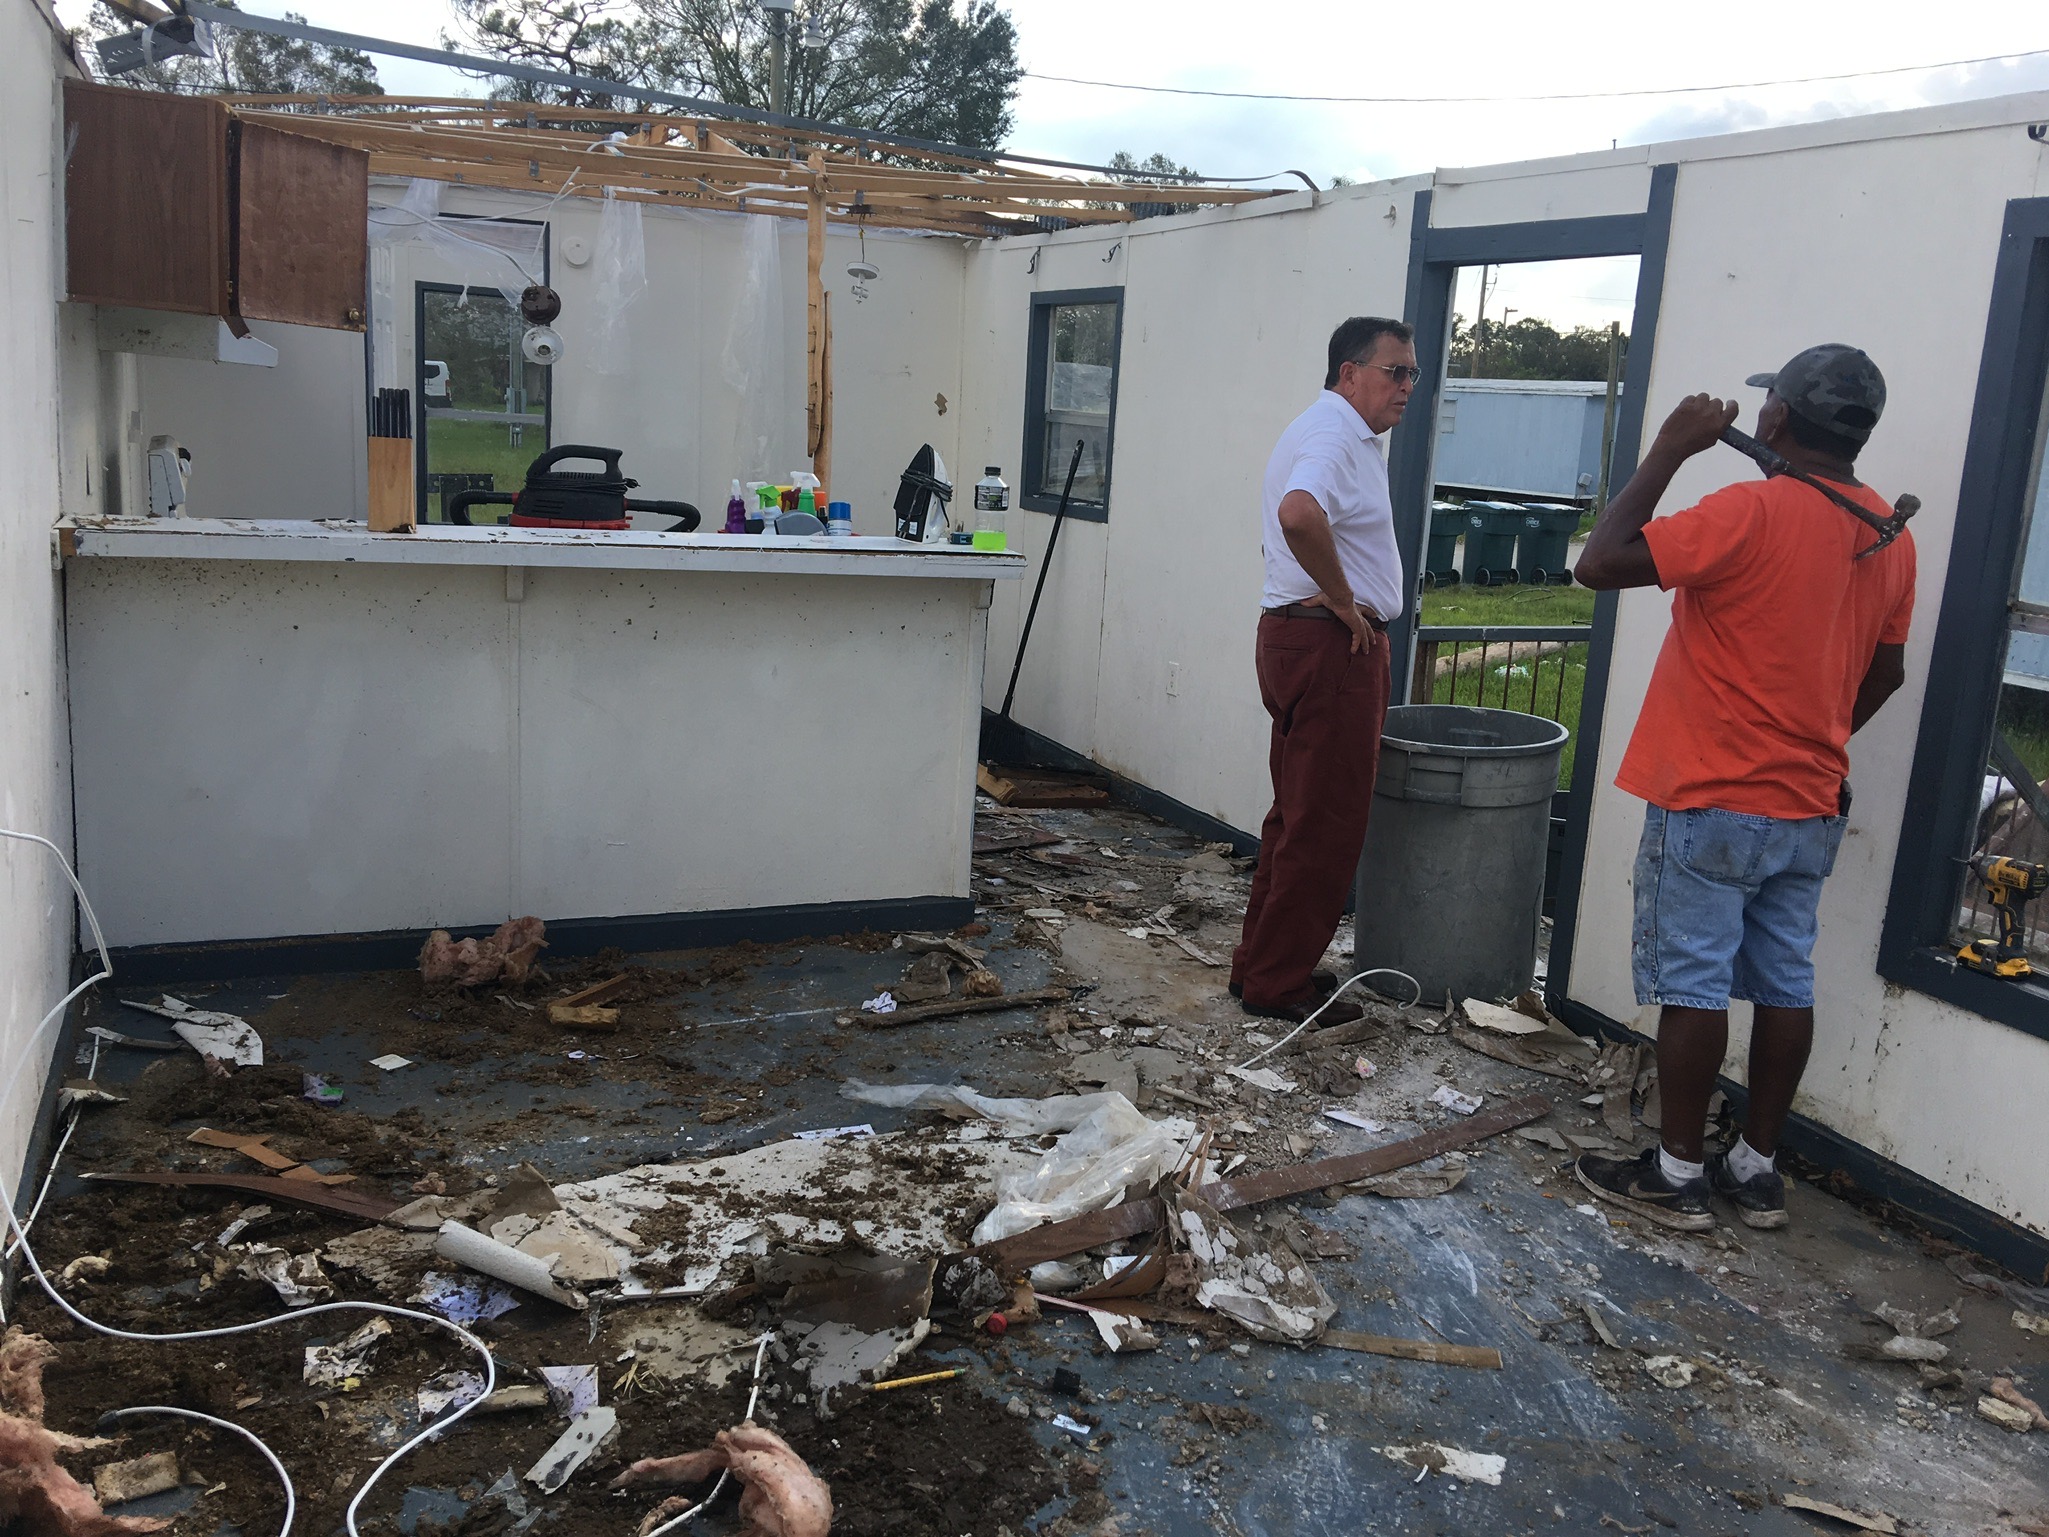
(1342, 1012)
(1325, 983)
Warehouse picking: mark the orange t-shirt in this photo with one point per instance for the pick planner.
(1773, 628)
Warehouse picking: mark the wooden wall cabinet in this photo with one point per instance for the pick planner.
(173, 203)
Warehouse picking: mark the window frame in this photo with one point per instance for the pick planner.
(1986, 548)
(1037, 358)
(421, 288)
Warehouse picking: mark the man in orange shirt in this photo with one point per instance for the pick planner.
(1783, 642)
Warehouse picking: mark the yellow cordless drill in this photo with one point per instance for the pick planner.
(2011, 884)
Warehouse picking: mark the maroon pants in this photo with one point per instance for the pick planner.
(1327, 706)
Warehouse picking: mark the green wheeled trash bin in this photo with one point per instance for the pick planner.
(1440, 560)
(1541, 555)
(1451, 884)
(1491, 529)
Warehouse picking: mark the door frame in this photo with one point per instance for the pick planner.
(1435, 255)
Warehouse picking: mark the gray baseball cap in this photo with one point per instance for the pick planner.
(1834, 386)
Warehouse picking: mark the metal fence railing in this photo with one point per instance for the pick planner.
(1503, 667)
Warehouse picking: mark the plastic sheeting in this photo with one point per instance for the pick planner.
(501, 254)
(1106, 1145)
(755, 361)
(620, 267)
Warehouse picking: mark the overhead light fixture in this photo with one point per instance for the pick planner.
(173, 37)
(814, 34)
(785, 6)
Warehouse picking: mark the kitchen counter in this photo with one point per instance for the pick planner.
(293, 730)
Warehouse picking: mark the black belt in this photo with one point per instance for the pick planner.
(1319, 611)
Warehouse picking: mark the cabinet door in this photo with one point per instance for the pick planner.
(303, 222)
(146, 199)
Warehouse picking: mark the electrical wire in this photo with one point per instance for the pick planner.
(11, 1080)
(760, 1354)
(291, 1494)
(1336, 993)
(1642, 91)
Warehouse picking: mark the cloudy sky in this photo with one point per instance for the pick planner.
(1583, 50)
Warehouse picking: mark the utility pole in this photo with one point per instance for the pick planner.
(778, 13)
(1608, 414)
(1479, 328)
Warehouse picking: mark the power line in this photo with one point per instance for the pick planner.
(1417, 101)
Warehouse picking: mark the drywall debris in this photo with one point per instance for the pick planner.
(391, 1062)
(573, 1448)
(1883, 1524)
(1544, 1135)
(1451, 1099)
(226, 1039)
(779, 1494)
(1492, 1016)
(116, 1038)
(1264, 1078)
(1904, 1347)
(1267, 1290)
(1598, 1321)
(1410, 1184)
(827, 1133)
(345, 1363)
(1073, 1426)
(2003, 1389)
(571, 1389)
(1451, 1461)
(297, 1278)
(1669, 1371)
(83, 1091)
(1121, 1333)
(446, 1391)
(1352, 1118)
(136, 1479)
(2030, 1323)
(881, 1003)
(461, 1300)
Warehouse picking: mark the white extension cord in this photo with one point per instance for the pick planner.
(11, 1080)
(1337, 993)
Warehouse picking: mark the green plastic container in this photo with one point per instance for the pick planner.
(1440, 561)
(1543, 546)
(1491, 530)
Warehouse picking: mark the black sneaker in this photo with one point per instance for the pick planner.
(1325, 982)
(1760, 1200)
(1640, 1184)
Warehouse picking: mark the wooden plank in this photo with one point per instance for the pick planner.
(364, 1208)
(1057, 1240)
(918, 1013)
(1483, 1357)
(994, 785)
(146, 199)
(597, 992)
(816, 446)
(302, 243)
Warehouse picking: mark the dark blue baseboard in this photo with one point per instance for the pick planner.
(1005, 741)
(1942, 1212)
(396, 949)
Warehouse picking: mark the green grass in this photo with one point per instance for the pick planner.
(1508, 605)
(481, 448)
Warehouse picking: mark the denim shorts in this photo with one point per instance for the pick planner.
(1725, 907)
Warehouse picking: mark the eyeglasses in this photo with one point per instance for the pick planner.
(1399, 372)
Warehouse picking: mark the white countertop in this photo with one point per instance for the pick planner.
(327, 540)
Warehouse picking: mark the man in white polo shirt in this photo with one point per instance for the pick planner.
(1333, 580)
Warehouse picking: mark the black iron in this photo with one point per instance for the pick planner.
(1045, 565)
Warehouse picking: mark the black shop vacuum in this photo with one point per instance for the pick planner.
(553, 498)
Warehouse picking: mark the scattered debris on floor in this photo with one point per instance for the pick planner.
(1098, 1253)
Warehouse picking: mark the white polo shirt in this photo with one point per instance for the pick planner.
(1331, 453)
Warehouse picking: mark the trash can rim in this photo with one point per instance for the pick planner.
(1391, 737)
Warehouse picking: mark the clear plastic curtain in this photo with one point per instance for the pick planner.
(755, 361)
(501, 254)
(621, 273)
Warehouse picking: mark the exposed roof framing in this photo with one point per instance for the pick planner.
(705, 162)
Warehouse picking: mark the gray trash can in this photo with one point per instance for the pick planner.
(1452, 879)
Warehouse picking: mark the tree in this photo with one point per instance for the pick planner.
(1530, 348)
(928, 69)
(249, 63)
(1153, 165)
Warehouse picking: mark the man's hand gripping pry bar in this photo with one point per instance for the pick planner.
(1774, 463)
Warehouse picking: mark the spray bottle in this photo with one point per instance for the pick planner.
(736, 512)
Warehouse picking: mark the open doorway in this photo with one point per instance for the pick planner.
(1527, 410)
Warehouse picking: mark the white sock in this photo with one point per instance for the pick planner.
(1678, 1170)
(1746, 1162)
